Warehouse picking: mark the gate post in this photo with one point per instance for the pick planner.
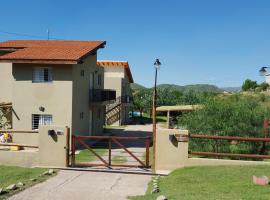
(67, 145)
(147, 152)
(110, 151)
(73, 151)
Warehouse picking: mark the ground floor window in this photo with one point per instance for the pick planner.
(38, 120)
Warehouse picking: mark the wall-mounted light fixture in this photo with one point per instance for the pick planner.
(41, 108)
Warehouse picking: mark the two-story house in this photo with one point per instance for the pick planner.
(118, 76)
(54, 82)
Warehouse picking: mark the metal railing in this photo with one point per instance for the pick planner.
(101, 95)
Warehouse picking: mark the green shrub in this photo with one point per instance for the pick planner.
(235, 115)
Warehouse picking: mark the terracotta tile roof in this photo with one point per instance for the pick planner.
(48, 50)
(110, 63)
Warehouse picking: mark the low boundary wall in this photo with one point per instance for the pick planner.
(50, 148)
(172, 154)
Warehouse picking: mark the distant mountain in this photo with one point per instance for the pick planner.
(196, 87)
(136, 86)
(232, 89)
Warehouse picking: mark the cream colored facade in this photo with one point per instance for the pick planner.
(66, 98)
(116, 78)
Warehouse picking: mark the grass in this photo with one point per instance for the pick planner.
(119, 159)
(211, 183)
(87, 156)
(12, 175)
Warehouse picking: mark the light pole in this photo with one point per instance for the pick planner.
(157, 65)
(263, 71)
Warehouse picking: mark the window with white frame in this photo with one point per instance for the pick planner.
(42, 74)
(38, 120)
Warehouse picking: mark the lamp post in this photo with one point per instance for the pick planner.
(263, 71)
(157, 65)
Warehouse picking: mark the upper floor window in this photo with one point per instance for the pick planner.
(99, 79)
(42, 74)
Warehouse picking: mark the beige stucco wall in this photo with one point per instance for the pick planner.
(116, 79)
(6, 82)
(64, 98)
(55, 97)
(171, 154)
(24, 158)
(52, 149)
(81, 86)
(25, 138)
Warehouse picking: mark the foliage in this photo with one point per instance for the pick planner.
(249, 84)
(169, 95)
(264, 86)
(5, 117)
(235, 115)
(209, 183)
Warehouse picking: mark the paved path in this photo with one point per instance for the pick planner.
(80, 185)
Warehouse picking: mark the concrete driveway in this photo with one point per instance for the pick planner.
(80, 185)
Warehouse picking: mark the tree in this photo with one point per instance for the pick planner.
(236, 115)
(142, 100)
(249, 85)
(264, 86)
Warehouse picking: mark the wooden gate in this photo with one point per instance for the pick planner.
(102, 150)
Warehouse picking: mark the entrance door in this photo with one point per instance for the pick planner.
(90, 122)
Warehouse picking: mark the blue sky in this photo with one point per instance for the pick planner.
(219, 42)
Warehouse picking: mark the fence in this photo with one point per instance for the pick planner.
(229, 138)
(17, 141)
(98, 144)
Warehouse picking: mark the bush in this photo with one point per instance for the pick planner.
(235, 115)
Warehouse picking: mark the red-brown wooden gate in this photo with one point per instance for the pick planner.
(111, 144)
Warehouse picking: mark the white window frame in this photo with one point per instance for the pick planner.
(38, 75)
(42, 120)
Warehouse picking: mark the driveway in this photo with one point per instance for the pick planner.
(90, 185)
(80, 185)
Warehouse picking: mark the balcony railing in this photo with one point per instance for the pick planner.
(126, 99)
(101, 95)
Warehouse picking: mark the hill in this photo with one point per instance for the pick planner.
(232, 89)
(136, 86)
(196, 87)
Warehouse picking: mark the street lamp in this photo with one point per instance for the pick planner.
(157, 65)
(263, 71)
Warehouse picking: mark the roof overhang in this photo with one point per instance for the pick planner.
(26, 61)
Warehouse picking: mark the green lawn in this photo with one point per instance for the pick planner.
(12, 175)
(119, 160)
(212, 183)
(87, 156)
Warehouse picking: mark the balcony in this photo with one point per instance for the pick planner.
(102, 96)
(126, 99)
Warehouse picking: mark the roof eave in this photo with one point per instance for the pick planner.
(39, 61)
(93, 51)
